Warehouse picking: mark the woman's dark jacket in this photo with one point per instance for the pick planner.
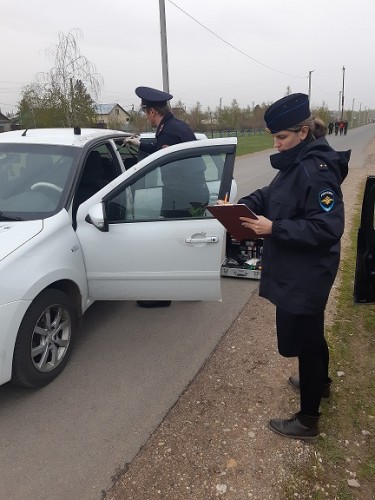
(304, 201)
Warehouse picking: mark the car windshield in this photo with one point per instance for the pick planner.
(33, 179)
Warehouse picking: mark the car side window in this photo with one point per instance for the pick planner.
(176, 190)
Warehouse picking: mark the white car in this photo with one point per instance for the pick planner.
(76, 227)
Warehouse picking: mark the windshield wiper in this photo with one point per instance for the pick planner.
(6, 217)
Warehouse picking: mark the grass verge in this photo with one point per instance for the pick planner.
(253, 143)
(346, 450)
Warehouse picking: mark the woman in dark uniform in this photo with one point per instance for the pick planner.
(301, 218)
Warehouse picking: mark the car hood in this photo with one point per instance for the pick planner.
(15, 234)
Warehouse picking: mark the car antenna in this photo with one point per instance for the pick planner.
(24, 134)
(77, 130)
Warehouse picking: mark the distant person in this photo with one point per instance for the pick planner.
(336, 127)
(169, 131)
(346, 125)
(330, 127)
(301, 218)
(341, 126)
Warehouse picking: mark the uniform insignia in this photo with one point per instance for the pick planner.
(159, 129)
(323, 166)
(327, 199)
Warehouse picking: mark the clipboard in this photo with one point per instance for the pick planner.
(229, 217)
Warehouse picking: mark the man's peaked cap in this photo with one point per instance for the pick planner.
(152, 97)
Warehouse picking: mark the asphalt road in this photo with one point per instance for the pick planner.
(129, 366)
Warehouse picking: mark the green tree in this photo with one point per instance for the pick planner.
(179, 110)
(246, 118)
(138, 122)
(322, 112)
(197, 118)
(30, 106)
(258, 116)
(235, 115)
(83, 105)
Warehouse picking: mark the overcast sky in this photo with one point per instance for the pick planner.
(218, 50)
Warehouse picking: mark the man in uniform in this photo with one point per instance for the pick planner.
(169, 131)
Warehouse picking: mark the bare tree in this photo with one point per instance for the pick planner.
(288, 90)
(63, 90)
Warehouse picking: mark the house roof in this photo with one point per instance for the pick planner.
(105, 109)
(4, 118)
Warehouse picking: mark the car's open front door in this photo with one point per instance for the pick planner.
(364, 285)
(158, 242)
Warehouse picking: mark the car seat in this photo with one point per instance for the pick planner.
(92, 180)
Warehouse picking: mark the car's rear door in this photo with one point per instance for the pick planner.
(158, 241)
(364, 285)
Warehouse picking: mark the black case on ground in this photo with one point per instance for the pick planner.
(243, 258)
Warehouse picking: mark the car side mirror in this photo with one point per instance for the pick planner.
(97, 217)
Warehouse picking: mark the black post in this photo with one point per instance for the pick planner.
(342, 95)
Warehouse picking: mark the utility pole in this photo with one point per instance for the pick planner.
(164, 51)
(351, 121)
(359, 115)
(310, 85)
(339, 102)
(342, 95)
(72, 105)
(220, 102)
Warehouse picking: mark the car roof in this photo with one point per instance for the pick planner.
(58, 136)
(151, 135)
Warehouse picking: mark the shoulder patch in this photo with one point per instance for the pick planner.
(323, 166)
(327, 199)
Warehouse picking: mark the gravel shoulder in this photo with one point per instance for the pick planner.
(215, 442)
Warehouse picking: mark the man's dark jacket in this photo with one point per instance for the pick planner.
(170, 131)
(186, 187)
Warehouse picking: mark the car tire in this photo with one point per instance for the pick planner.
(45, 339)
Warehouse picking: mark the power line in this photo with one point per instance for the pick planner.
(324, 92)
(9, 81)
(231, 45)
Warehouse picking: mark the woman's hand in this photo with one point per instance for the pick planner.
(222, 202)
(261, 226)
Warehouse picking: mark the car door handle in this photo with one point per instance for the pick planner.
(207, 239)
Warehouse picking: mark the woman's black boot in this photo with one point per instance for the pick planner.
(303, 427)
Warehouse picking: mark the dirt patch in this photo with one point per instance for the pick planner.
(215, 442)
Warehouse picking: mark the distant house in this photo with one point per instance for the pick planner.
(5, 123)
(112, 116)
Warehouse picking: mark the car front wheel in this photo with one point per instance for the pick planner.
(44, 340)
